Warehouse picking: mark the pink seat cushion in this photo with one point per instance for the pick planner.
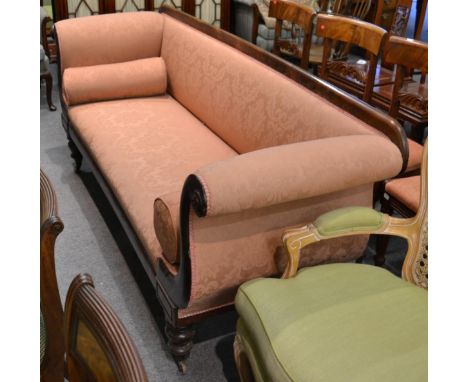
(405, 190)
(138, 78)
(146, 147)
(415, 155)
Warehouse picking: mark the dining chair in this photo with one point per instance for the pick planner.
(407, 98)
(351, 8)
(342, 321)
(98, 347)
(47, 40)
(360, 33)
(89, 335)
(299, 19)
(52, 346)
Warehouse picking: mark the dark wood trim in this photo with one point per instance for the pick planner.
(60, 10)
(226, 15)
(84, 305)
(106, 6)
(52, 368)
(255, 23)
(188, 6)
(149, 5)
(420, 18)
(375, 118)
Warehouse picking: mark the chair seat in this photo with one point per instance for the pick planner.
(405, 190)
(415, 155)
(156, 143)
(413, 100)
(336, 322)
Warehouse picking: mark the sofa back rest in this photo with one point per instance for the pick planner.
(246, 103)
(109, 39)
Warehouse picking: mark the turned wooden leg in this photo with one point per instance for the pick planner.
(76, 155)
(48, 80)
(180, 342)
(382, 240)
(242, 362)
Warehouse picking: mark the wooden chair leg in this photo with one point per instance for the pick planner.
(379, 189)
(48, 80)
(417, 133)
(382, 240)
(242, 362)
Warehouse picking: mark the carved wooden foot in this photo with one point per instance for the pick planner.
(76, 155)
(180, 342)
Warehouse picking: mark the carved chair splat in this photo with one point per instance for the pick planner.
(296, 15)
(348, 30)
(406, 100)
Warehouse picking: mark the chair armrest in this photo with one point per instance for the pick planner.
(338, 223)
(296, 171)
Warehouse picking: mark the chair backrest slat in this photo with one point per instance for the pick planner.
(352, 31)
(406, 54)
(296, 15)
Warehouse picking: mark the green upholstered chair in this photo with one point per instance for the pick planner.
(339, 322)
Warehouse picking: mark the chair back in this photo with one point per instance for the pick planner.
(353, 8)
(99, 348)
(353, 31)
(415, 266)
(52, 368)
(407, 54)
(296, 15)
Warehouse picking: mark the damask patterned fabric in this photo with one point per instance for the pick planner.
(137, 78)
(290, 172)
(106, 39)
(221, 103)
(146, 148)
(246, 103)
(228, 250)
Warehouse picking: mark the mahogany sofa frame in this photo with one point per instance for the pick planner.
(173, 292)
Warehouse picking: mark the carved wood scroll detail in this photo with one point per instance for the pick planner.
(414, 102)
(401, 21)
(344, 69)
(421, 264)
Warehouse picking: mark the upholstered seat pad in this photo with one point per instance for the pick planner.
(415, 151)
(337, 322)
(146, 147)
(406, 190)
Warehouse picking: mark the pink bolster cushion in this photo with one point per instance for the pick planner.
(138, 78)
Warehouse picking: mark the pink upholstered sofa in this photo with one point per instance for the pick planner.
(208, 148)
